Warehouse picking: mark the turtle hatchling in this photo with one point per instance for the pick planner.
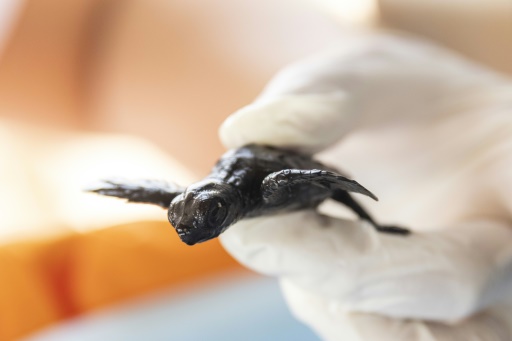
(250, 181)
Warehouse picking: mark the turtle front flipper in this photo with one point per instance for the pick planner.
(298, 185)
(154, 192)
(278, 183)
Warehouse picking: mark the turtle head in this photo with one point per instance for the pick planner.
(204, 210)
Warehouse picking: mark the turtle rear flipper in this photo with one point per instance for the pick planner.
(346, 199)
(154, 192)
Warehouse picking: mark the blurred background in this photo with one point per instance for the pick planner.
(137, 88)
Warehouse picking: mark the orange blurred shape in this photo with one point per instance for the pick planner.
(64, 252)
(46, 280)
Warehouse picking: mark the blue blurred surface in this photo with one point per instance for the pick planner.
(249, 309)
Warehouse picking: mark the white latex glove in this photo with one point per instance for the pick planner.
(431, 135)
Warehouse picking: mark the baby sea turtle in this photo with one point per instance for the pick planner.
(250, 181)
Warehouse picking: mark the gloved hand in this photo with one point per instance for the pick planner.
(431, 135)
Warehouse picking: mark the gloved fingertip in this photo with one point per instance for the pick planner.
(307, 122)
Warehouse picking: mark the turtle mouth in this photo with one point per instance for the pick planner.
(189, 238)
(183, 231)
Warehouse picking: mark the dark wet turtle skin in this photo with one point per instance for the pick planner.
(250, 181)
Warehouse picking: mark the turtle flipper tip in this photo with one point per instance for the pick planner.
(107, 187)
(373, 196)
(137, 191)
(98, 185)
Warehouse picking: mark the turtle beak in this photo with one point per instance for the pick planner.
(184, 234)
(188, 241)
(191, 235)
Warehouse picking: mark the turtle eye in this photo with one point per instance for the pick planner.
(218, 213)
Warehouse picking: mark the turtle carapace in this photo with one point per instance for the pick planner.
(250, 181)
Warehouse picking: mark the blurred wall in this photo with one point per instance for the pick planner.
(41, 67)
(479, 29)
(172, 71)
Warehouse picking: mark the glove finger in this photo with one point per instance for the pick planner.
(308, 122)
(368, 80)
(333, 323)
(441, 276)
(295, 243)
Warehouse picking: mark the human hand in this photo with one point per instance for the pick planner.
(431, 135)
